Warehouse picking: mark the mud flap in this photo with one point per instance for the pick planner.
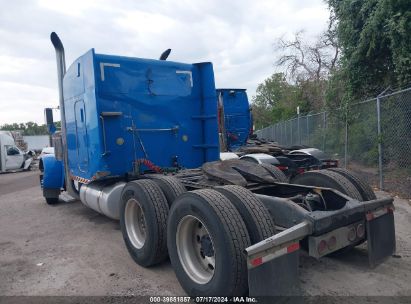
(278, 277)
(273, 265)
(380, 236)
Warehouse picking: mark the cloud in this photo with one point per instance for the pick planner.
(237, 36)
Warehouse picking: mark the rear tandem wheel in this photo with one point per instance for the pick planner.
(206, 239)
(143, 221)
(276, 173)
(328, 179)
(363, 187)
(170, 186)
(257, 218)
(334, 180)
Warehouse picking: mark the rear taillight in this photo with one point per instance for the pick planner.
(322, 246)
(352, 234)
(327, 245)
(332, 243)
(360, 231)
(356, 232)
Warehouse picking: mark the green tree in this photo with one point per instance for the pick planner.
(28, 128)
(375, 43)
(276, 100)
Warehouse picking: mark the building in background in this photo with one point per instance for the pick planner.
(37, 142)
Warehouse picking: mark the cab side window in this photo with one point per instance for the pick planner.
(11, 150)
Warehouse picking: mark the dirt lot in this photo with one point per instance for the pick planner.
(69, 249)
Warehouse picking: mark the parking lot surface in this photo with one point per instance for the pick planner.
(68, 249)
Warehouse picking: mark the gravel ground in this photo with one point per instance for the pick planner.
(68, 249)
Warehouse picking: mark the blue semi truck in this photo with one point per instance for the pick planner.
(139, 143)
(236, 122)
(236, 128)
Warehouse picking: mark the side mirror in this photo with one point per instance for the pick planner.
(48, 114)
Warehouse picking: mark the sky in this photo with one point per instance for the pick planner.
(236, 36)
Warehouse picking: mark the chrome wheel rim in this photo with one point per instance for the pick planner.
(135, 223)
(195, 249)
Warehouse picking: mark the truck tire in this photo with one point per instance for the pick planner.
(297, 147)
(50, 195)
(328, 179)
(363, 187)
(143, 221)
(206, 241)
(254, 213)
(52, 200)
(170, 186)
(276, 173)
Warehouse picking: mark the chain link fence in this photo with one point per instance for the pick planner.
(372, 138)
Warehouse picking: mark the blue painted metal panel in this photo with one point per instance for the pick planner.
(81, 135)
(53, 174)
(120, 109)
(237, 117)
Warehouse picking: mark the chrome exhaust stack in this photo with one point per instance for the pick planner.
(61, 71)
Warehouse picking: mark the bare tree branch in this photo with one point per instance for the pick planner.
(304, 61)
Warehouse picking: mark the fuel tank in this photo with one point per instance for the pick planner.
(104, 199)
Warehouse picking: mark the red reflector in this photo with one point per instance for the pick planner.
(390, 209)
(300, 170)
(257, 261)
(282, 168)
(293, 247)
